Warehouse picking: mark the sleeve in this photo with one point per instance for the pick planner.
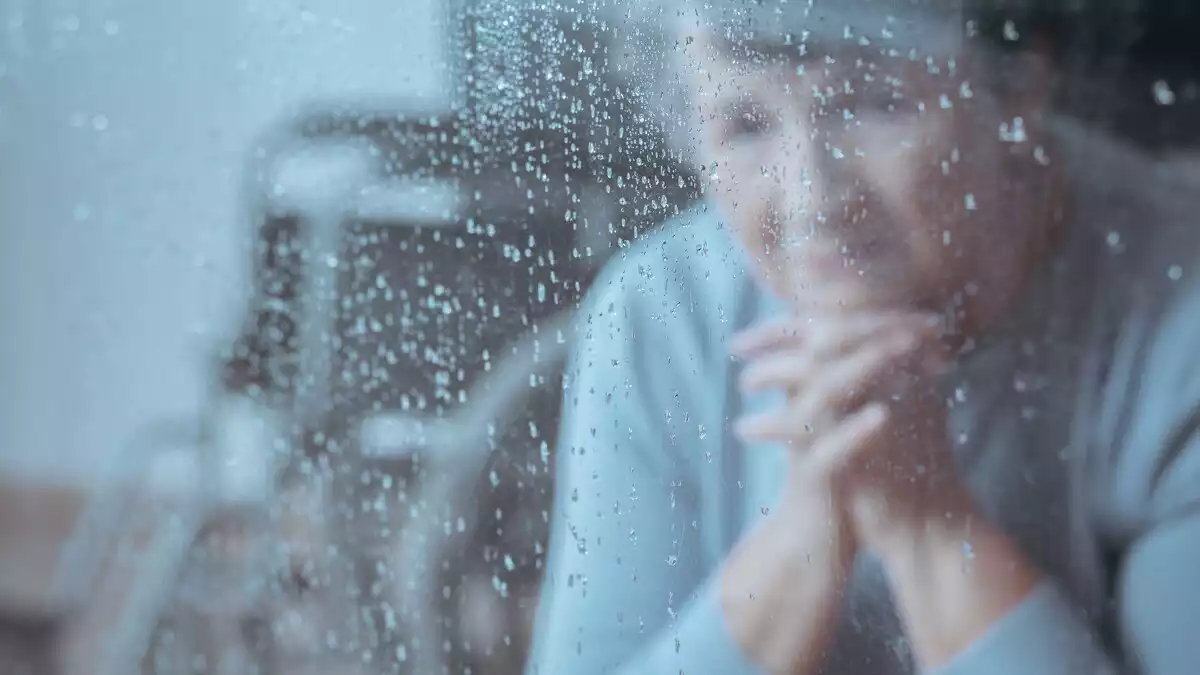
(627, 587)
(1148, 489)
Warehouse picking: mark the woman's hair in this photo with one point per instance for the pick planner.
(1080, 35)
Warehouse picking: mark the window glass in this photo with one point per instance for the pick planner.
(435, 337)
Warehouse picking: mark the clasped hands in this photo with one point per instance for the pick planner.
(864, 420)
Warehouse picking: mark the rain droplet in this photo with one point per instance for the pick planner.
(1163, 95)
(500, 586)
(1174, 272)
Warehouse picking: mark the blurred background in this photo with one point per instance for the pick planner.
(286, 289)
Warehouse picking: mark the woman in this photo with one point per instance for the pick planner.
(910, 392)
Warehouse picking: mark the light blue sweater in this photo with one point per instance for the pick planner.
(1076, 425)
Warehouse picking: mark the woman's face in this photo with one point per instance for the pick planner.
(878, 180)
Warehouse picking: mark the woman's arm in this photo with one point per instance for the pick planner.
(629, 588)
(989, 612)
(974, 605)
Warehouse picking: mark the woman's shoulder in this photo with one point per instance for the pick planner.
(686, 277)
(1145, 217)
(1141, 213)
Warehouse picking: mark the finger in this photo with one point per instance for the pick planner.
(824, 332)
(792, 368)
(846, 383)
(787, 369)
(834, 298)
(812, 330)
(843, 445)
(779, 333)
(789, 424)
(838, 388)
(915, 376)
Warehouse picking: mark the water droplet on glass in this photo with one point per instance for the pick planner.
(1163, 94)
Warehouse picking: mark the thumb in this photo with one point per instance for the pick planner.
(847, 443)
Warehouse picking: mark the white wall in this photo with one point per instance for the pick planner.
(124, 125)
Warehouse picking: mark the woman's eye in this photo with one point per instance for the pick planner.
(886, 101)
(746, 123)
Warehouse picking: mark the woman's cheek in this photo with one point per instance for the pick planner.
(740, 197)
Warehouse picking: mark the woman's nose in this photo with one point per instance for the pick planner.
(819, 187)
(798, 185)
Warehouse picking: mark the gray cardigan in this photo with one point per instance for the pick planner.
(1075, 424)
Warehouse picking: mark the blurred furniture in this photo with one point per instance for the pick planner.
(415, 273)
(415, 276)
(88, 563)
